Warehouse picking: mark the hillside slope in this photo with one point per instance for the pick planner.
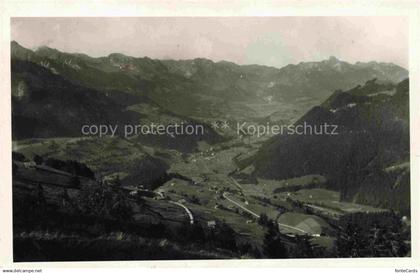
(373, 134)
(46, 105)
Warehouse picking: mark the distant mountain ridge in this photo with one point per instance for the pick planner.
(207, 89)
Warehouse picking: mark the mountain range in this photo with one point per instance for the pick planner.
(54, 93)
(204, 89)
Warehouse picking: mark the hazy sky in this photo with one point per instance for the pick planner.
(274, 41)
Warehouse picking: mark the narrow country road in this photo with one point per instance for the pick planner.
(295, 228)
(239, 205)
(236, 183)
(190, 215)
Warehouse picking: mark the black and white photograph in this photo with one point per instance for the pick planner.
(211, 138)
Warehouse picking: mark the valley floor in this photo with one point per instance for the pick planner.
(204, 190)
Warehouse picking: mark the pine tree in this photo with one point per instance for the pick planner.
(273, 245)
(351, 242)
(303, 248)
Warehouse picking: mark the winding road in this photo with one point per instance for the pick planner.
(187, 210)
